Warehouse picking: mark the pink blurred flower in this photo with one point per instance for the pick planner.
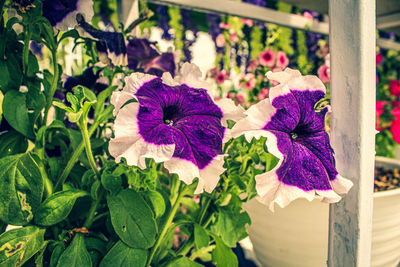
(308, 15)
(220, 40)
(248, 22)
(223, 25)
(324, 74)
(396, 113)
(230, 95)
(395, 129)
(221, 76)
(328, 60)
(263, 94)
(196, 199)
(253, 65)
(379, 59)
(379, 111)
(240, 98)
(394, 87)
(267, 58)
(250, 84)
(283, 60)
(233, 38)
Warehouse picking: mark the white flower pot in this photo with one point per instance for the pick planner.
(298, 234)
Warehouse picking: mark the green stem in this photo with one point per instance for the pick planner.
(204, 208)
(74, 158)
(25, 58)
(93, 208)
(48, 185)
(167, 223)
(88, 148)
(53, 85)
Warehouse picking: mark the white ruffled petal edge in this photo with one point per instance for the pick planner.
(118, 60)
(258, 116)
(292, 79)
(230, 110)
(132, 83)
(270, 190)
(187, 172)
(189, 74)
(130, 145)
(85, 7)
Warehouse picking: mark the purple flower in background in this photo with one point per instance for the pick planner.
(36, 48)
(296, 136)
(110, 44)
(88, 78)
(163, 20)
(143, 55)
(188, 24)
(174, 121)
(62, 13)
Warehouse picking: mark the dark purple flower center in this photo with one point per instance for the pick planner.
(170, 114)
(267, 56)
(180, 115)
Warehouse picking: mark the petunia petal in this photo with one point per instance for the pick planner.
(185, 169)
(258, 116)
(62, 14)
(132, 83)
(190, 75)
(130, 145)
(209, 176)
(230, 110)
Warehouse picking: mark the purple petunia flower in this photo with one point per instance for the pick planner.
(62, 13)
(109, 44)
(296, 135)
(142, 54)
(174, 121)
(88, 78)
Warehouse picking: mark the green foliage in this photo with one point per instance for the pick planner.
(121, 255)
(19, 245)
(57, 207)
(21, 188)
(76, 254)
(134, 224)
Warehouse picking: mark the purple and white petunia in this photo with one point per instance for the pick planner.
(110, 45)
(173, 122)
(143, 54)
(296, 135)
(62, 13)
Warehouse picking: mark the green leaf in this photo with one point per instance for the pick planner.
(120, 255)
(57, 207)
(94, 190)
(71, 33)
(62, 106)
(73, 100)
(156, 201)
(231, 225)
(184, 262)
(19, 245)
(33, 65)
(111, 183)
(76, 255)
(12, 143)
(134, 224)
(222, 255)
(74, 117)
(21, 188)
(201, 238)
(16, 112)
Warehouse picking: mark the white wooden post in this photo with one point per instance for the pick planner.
(352, 48)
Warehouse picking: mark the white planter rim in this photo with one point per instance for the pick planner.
(387, 162)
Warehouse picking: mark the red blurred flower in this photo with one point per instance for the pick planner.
(395, 129)
(283, 60)
(394, 87)
(379, 59)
